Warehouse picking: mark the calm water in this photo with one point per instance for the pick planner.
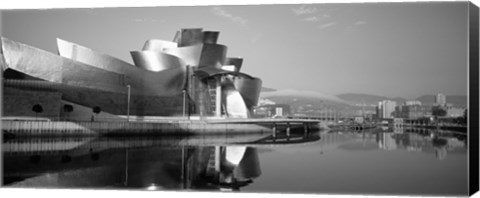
(371, 162)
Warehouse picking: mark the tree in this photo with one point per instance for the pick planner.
(465, 116)
(96, 110)
(37, 108)
(438, 111)
(67, 108)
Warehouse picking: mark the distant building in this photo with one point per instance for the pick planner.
(265, 101)
(274, 110)
(441, 99)
(455, 112)
(398, 122)
(412, 102)
(359, 119)
(413, 111)
(387, 141)
(386, 108)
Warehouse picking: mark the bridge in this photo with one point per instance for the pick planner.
(322, 118)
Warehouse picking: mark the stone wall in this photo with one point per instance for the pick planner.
(19, 102)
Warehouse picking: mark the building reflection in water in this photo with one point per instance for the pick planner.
(440, 142)
(162, 163)
(437, 142)
(190, 163)
(229, 168)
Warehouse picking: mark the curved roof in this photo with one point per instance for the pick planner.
(156, 61)
(205, 72)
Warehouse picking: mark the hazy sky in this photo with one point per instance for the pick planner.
(389, 49)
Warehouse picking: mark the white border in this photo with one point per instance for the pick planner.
(46, 4)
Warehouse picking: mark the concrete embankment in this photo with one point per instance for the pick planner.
(63, 128)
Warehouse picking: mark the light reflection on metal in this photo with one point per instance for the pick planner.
(151, 187)
(202, 55)
(88, 56)
(190, 54)
(210, 37)
(237, 62)
(229, 68)
(218, 94)
(50, 67)
(234, 154)
(239, 166)
(158, 45)
(166, 83)
(3, 65)
(234, 103)
(157, 80)
(205, 72)
(249, 88)
(249, 167)
(156, 61)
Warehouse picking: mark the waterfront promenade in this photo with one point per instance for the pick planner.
(160, 127)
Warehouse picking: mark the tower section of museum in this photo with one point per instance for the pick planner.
(189, 76)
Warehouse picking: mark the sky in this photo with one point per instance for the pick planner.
(387, 49)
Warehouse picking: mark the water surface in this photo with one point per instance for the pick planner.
(347, 162)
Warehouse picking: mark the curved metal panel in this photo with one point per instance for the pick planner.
(165, 83)
(233, 100)
(156, 83)
(156, 61)
(249, 167)
(234, 154)
(205, 72)
(249, 88)
(3, 65)
(210, 37)
(190, 54)
(190, 36)
(202, 55)
(50, 67)
(88, 56)
(158, 45)
(237, 62)
(213, 55)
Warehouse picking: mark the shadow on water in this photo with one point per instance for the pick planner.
(200, 162)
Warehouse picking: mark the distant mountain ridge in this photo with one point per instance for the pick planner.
(290, 93)
(368, 99)
(306, 100)
(266, 89)
(456, 100)
(351, 98)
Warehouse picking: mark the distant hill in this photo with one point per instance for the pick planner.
(456, 100)
(305, 99)
(303, 94)
(312, 102)
(367, 99)
(426, 99)
(266, 89)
